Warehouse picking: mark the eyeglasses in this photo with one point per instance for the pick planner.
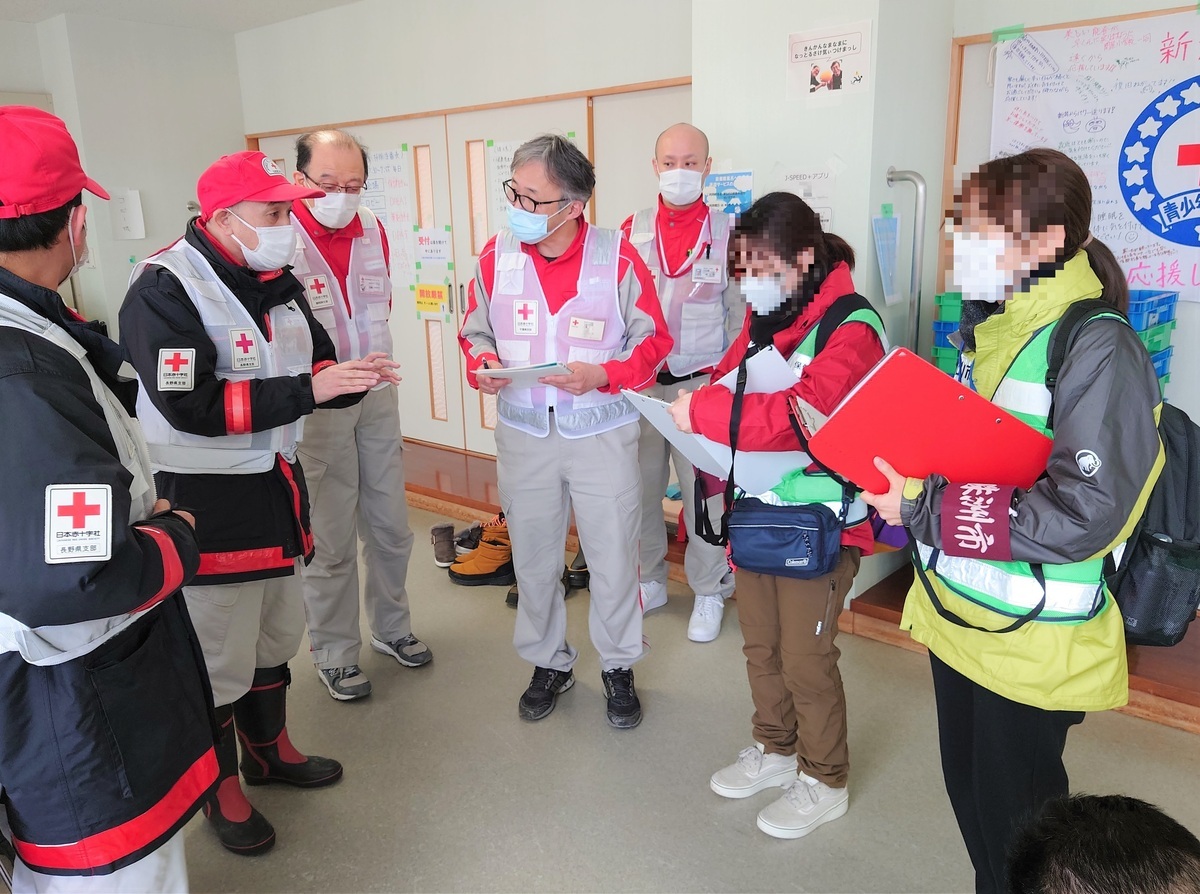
(333, 187)
(527, 202)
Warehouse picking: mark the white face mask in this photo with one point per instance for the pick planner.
(336, 209)
(679, 186)
(276, 246)
(977, 271)
(82, 258)
(764, 294)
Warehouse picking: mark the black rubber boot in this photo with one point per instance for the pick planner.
(250, 833)
(268, 755)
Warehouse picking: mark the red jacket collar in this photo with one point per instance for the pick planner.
(836, 284)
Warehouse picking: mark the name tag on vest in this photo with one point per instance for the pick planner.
(243, 349)
(370, 285)
(587, 330)
(706, 273)
(317, 291)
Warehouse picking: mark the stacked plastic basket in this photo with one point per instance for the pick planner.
(946, 320)
(1151, 313)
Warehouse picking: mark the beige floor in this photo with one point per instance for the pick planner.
(446, 790)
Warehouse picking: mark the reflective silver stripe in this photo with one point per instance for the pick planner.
(595, 419)
(531, 420)
(61, 643)
(58, 644)
(1018, 590)
(1030, 398)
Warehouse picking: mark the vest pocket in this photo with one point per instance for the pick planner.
(701, 328)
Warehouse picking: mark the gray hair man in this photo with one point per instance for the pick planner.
(549, 288)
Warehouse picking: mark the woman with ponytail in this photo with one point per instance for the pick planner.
(792, 274)
(1009, 595)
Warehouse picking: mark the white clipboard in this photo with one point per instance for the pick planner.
(525, 376)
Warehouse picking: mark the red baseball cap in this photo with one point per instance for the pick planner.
(41, 169)
(246, 177)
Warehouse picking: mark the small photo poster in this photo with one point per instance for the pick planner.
(829, 62)
(731, 191)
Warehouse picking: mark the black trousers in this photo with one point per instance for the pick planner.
(1002, 760)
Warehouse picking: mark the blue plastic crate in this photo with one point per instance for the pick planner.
(942, 330)
(1162, 362)
(1148, 308)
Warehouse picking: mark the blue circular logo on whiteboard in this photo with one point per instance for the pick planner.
(1159, 165)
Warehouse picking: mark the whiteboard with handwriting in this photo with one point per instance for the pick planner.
(1123, 100)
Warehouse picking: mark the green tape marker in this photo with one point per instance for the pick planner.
(450, 265)
(886, 210)
(1012, 32)
(404, 147)
(491, 143)
(416, 228)
(447, 318)
(447, 228)
(412, 288)
(417, 265)
(570, 134)
(447, 280)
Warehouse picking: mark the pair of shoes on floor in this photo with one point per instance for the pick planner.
(624, 709)
(349, 683)
(490, 563)
(448, 544)
(806, 804)
(575, 577)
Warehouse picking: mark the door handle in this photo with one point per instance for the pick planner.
(462, 299)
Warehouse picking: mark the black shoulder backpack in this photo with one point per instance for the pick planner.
(834, 316)
(1157, 582)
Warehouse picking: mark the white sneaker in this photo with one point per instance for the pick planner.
(652, 594)
(805, 805)
(705, 622)
(752, 772)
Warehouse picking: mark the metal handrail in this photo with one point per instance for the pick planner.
(918, 250)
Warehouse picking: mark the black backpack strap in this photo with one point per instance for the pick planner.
(837, 313)
(1065, 332)
(707, 532)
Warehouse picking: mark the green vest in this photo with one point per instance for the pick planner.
(800, 485)
(1074, 591)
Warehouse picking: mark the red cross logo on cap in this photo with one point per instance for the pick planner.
(79, 510)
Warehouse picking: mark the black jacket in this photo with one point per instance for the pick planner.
(250, 526)
(114, 738)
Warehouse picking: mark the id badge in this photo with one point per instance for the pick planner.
(706, 272)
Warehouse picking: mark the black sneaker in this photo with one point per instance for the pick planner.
(624, 709)
(544, 688)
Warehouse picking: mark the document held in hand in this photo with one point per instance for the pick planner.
(525, 376)
(923, 422)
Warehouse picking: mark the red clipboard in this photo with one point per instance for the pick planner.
(922, 421)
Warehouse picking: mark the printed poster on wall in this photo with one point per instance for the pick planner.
(1123, 100)
(389, 193)
(731, 191)
(829, 62)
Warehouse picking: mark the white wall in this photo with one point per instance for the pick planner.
(981, 17)
(20, 60)
(150, 106)
(381, 57)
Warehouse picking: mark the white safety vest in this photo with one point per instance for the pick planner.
(693, 297)
(589, 328)
(65, 642)
(242, 354)
(363, 328)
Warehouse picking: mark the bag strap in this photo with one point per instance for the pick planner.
(837, 313)
(1063, 337)
(707, 533)
(1038, 574)
(848, 487)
